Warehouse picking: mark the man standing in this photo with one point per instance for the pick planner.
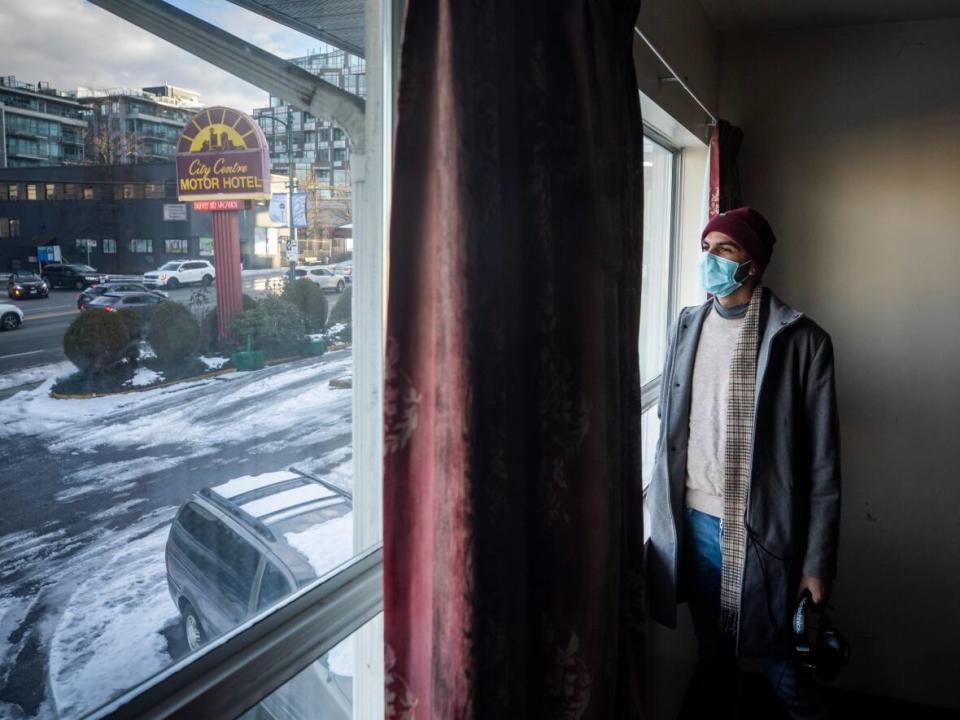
(744, 496)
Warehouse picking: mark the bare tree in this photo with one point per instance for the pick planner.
(106, 146)
(328, 208)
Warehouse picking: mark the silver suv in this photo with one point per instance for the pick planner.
(237, 548)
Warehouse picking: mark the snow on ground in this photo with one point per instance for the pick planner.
(144, 376)
(115, 475)
(37, 373)
(326, 545)
(109, 637)
(214, 363)
(85, 423)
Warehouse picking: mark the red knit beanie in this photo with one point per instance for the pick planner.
(749, 229)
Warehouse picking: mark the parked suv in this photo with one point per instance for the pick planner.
(173, 274)
(71, 275)
(237, 548)
(322, 276)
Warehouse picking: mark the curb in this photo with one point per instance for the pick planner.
(127, 391)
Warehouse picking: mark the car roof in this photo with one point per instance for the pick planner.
(264, 504)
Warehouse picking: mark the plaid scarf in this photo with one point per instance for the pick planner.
(741, 399)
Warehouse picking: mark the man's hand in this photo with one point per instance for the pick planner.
(818, 587)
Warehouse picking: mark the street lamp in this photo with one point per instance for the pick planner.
(291, 257)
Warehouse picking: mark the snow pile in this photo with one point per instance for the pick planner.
(144, 376)
(214, 363)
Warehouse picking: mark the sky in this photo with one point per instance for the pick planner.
(71, 43)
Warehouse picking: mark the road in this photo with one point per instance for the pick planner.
(89, 488)
(39, 340)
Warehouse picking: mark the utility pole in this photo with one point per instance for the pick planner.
(292, 253)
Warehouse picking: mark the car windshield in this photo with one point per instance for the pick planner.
(170, 266)
(28, 277)
(84, 268)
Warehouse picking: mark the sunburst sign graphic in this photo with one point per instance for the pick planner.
(218, 129)
(222, 153)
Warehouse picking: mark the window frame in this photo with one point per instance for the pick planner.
(650, 391)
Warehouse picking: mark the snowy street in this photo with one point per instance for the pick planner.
(89, 488)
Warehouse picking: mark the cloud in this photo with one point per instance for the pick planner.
(71, 43)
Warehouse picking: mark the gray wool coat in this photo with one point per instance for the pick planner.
(793, 503)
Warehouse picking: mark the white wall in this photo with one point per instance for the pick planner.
(852, 150)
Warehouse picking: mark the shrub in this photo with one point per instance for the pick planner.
(210, 329)
(310, 300)
(275, 325)
(96, 340)
(174, 333)
(343, 311)
(132, 320)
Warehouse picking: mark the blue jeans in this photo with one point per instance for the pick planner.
(715, 686)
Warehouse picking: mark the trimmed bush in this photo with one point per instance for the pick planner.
(96, 340)
(210, 330)
(275, 325)
(132, 320)
(310, 300)
(174, 333)
(343, 311)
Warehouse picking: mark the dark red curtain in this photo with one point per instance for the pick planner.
(725, 141)
(512, 492)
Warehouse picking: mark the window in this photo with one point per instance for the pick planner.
(13, 191)
(182, 504)
(50, 190)
(31, 191)
(14, 227)
(88, 193)
(658, 290)
(659, 188)
(154, 190)
(8, 229)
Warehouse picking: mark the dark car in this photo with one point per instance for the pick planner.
(237, 548)
(23, 285)
(142, 303)
(71, 275)
(95, 291)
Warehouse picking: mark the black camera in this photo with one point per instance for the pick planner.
(828, 650)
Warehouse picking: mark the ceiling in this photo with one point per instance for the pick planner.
(765, 15)
(338, 22)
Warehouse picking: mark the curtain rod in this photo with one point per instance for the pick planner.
(661, 58)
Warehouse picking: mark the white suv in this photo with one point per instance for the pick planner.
(173, 274)
(322, 276)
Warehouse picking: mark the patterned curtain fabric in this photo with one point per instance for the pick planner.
(513, 531)
(725, 141)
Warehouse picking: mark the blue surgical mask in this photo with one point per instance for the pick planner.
(717, 274)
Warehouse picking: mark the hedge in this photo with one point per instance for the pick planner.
(96, 340)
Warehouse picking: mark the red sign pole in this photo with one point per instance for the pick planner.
(226, 259)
